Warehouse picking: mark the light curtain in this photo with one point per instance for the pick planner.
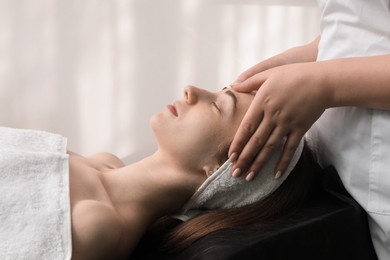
(96, 70)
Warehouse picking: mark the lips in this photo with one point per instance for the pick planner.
(172, 108)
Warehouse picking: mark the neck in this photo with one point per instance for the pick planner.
(151, 188)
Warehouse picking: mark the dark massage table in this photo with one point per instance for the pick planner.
(330, 226)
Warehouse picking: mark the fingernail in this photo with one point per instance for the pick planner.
(278, 174)
(250, 176)
(233, 157)
(236, 173)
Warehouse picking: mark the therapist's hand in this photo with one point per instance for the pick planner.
(288, 101)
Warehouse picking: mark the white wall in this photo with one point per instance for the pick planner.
(96, 70)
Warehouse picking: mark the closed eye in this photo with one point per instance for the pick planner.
(215, 105)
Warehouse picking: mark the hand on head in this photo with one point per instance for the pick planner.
(289, 99)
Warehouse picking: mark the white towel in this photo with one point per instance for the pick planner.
(34, 200)
(221, 190)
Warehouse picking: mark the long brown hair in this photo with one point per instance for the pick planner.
(263, 215)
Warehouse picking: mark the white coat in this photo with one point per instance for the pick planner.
(357, 140)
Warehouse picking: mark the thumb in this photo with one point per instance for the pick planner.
(251, 84)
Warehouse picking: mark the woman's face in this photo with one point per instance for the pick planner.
(199, 128)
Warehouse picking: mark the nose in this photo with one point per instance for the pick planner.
(191, 94)
(194, 95)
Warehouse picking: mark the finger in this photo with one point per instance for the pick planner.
(266, 152)
(253, 146)
(289, 149)
(247, 127)
(252, 83)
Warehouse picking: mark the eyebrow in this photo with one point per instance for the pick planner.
(233, 96)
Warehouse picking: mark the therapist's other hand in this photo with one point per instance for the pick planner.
(288, 101)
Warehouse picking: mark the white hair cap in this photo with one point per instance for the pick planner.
(221, 190)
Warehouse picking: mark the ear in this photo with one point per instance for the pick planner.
(210, 169)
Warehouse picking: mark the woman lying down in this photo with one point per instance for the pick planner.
(112, 205)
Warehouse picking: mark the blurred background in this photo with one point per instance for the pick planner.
(95, 71)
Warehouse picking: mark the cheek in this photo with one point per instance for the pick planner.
(212, 139)
(198, 135)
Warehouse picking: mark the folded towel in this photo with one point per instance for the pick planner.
(221, 190)
(34, 201)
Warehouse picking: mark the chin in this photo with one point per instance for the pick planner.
(159, 127)
(155, 122)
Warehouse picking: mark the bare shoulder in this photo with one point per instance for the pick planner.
(97, 232)
(105, 160)
(99, 161)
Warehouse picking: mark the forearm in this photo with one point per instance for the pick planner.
(361, 82)
(299, 54)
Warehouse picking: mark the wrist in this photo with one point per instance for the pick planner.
(326, 90)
